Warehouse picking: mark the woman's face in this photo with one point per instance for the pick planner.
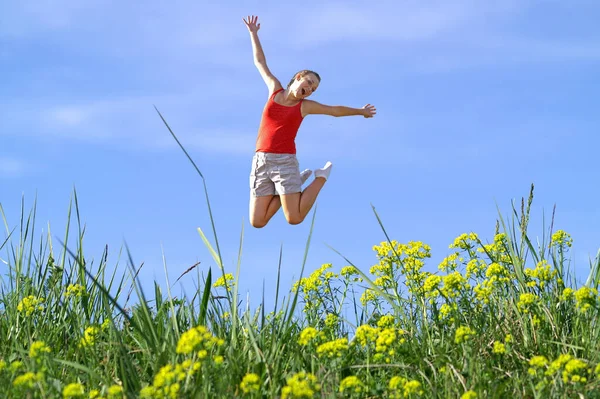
(304, 86)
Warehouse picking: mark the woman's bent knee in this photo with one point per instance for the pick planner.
(294, 219)
(258, 223)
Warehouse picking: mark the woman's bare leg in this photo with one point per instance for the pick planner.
(262, 209)
(296, 206)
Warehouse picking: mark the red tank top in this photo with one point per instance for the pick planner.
(278, 127)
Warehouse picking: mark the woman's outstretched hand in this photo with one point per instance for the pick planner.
(369, 111)
(252, 23)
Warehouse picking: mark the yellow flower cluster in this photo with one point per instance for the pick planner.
(368, 296)
(400, 387)
(475, 267)
(575, 371)
(465, 241)
(350, 271)
(561, 239)
(498, 250)
(113, 392)
(73, 390)
(537, 363)
(224, 281)
(497, 273)
(387, 339)
(431, 286)
(499, 348)
(333, 349)
(310, 335)
(449, 263)
(316, 280)
(167, 382)
(567, 294)
(396, 260)
(527, 301)
(351, 384)
(454, 285)
(250, 383)
(585, 298)
(314, 286)
(365, 335)
(571, 369)
(301, 385)
(89, 336)
(74, 290)
(463, 334)
(497, 276)
(332, 321)
(446, 311)
(38, 349)
(30, 304)
(384, 339)
(543, 273)
(386, 321)
(198, 339)
(27, 380)
(469, 395)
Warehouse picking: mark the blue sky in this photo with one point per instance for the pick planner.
(476, 100)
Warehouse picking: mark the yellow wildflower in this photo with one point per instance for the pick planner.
(37, 349)
(567, 294)
(115, 391)
(368, 296)
(586, 297)
(454, 284)
(89, 336)
(75, 290)
(30, 304)
(499, 347)
(308, 335)
(386, 321)
(197, 338)
(465, 241)
(301, 385)
(27, 380)
(224, 281)
(351, 384)
(74, 390)
(469, 395)
(449, 263)
(575, 371)
(331, 321)
(561, 239)
(542, 272)
(333, 349)
(526, 301)
(557, 364)
(400, 387)
(463, 334)
(250, 383)
(366, 334)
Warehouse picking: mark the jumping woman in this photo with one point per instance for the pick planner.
(275, 177)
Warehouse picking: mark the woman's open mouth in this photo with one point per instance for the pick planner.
(303, 92)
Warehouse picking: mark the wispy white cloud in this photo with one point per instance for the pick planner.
(11, 167)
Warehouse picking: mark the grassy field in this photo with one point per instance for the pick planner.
(500, 318)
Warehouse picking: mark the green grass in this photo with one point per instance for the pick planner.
(501, 318)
